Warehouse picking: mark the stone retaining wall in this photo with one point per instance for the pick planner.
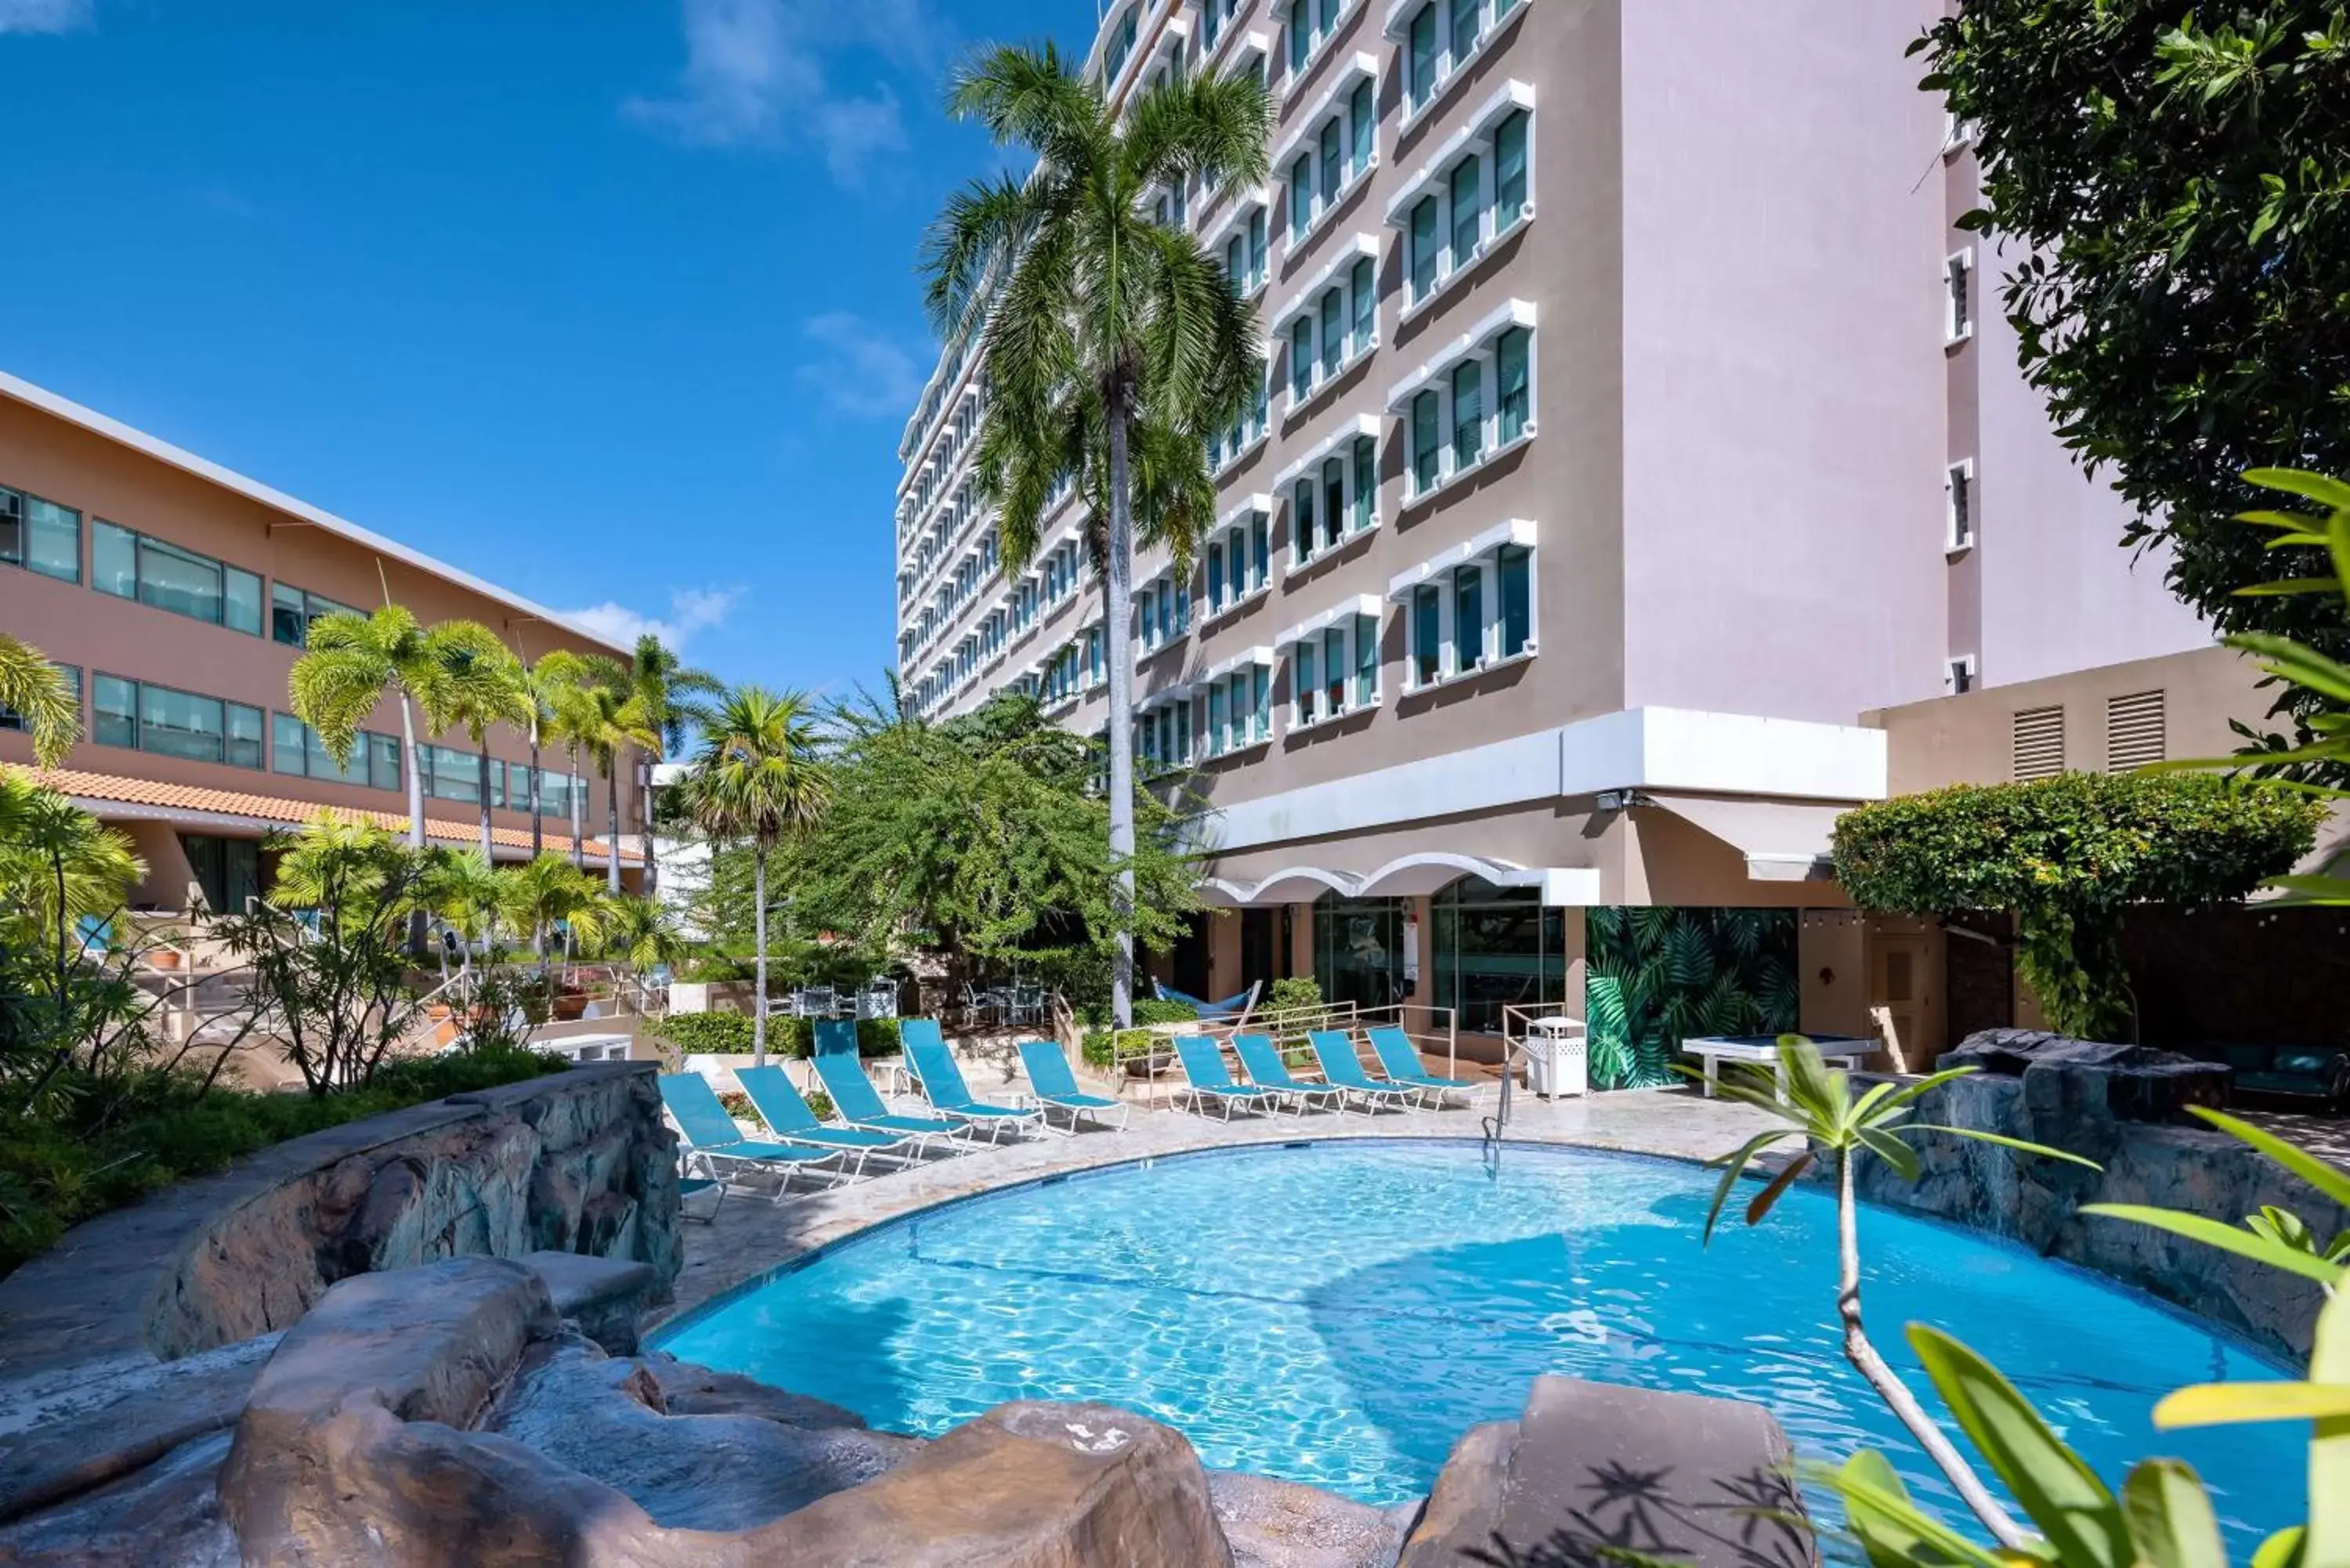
(113, 1342)
(2036, 1201)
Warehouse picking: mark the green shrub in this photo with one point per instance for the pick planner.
(707, 1034)
(1150, 1010)
(1095, 1047)
(1299, 990)
(2066, 856)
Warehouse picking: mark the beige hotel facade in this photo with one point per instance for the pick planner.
(1643, 478)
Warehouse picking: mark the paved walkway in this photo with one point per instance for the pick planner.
(753, 1234)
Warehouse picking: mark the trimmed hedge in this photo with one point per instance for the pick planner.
(729, 1035)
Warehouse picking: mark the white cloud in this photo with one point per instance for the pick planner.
(689, 610)
(763, 72)
(45, 15)
(862, 373)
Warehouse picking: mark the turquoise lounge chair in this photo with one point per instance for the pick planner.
(712, 1135)
(1399, 1060)
(1206, 1082)
(1263, 1063)
(941, 1081)
(1054, 1087)
(1335, 1050)
(860, 1105)
(789, 1117)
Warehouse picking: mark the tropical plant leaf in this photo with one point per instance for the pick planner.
(1768, 1198)
(2226, 1238)
(2236, 1404)
(1734, 1165)
(1894, 1530)
(2056, 1487)
(2282, 1549)
(2170, 1518)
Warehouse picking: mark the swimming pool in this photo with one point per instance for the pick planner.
(1338, 1313)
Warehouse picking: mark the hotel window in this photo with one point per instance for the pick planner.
(1121, 46)
(1309, 25)
(1333, 321)
(1335, 670)
(291, 611)
(40, 536)
(1441, 36)
(173, 723)
(1165, 612)
(1228, 449)
(1957, 296)
(299, 749)
(12, 720)
(1244, 252)
(1959, 675)
(1471, 404)
(1238, 561)
(131, 565)
(1466, 199)
(1495, 948)
(1337, 145)
(1240, 710)
(1470, 608)
(1958, 505)
(1336, 498)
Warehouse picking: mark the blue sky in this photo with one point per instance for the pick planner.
(610, 301)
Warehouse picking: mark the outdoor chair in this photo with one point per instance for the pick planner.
(789, 1117)
(860, 1105)
(1206, 1082)
(712, 1135)
(1334, 1049)
(1054, 1087)
(813, 1001)
(1399, 1060)
(1262, 1061)
(941, 1081)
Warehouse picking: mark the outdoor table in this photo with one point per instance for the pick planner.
(1844, 1050)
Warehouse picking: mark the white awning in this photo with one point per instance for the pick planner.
(1781, 841)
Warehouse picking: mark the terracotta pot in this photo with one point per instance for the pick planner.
(569, 1007)
(166, 958)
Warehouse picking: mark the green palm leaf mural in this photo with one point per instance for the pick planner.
(1659, 975)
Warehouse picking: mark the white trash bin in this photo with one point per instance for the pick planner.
(1557, 1057)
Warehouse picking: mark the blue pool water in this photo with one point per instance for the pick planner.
(1338, 1313)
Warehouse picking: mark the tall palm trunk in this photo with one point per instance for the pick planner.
(612, 843)
(415, 807)
(645, 822)
(1118, 593)
(578, 814)
(486, 802)
(759, 962)
(537, 827)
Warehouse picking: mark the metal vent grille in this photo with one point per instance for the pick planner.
(2039, 742)
(2134, 730)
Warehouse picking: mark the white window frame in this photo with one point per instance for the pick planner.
(1323, 204)
(1255, 199)
(1957, 296)
(1169, 707)
(1338, 443)
(1449, 69)
(1961, 507)
(1242, 668)
(1358, 617)
(1157, 635)
(1481, 342)
(1336, 275)
(1237, 527)
(1306, 131)
(1958, 676)
(1247, 438)
(1317, 49)
(1433, 178)
(1482, 552)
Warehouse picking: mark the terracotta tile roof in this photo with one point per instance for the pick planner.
(153, 792)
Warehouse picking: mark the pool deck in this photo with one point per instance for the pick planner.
(753, 1234)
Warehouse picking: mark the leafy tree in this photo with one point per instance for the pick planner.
(37, 691)
(2170, 181)
(1105, 336)
(757, 778)
(549, 892)
(985, 836)
(471, 893)
(642, 933)
(335, 985)
(2066, 857)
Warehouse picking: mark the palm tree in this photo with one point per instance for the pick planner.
(549, 891)
(673, 695)
(37, 691)
(1106, 336)
(545, 687)
(484, 687)
(57, 863)
(615, 721)
(757, 778)
(469, 892)
(642, 933)
(574, 718)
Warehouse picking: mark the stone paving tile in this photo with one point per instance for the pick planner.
(753, 1234)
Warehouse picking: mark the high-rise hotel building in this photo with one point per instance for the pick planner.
(1642, 477)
